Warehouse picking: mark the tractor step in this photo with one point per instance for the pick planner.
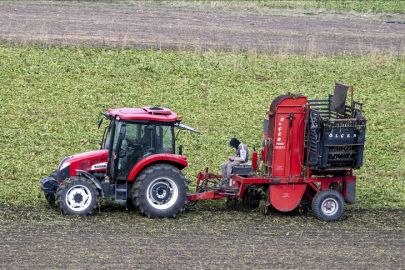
(121, 191)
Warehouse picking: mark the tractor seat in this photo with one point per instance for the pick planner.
(243, 169)
(246, 164)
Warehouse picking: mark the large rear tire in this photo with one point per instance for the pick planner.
(328, 205)
(77, 196)
(160, 191)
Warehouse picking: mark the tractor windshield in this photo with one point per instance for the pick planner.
(105, 143)
(141, 140)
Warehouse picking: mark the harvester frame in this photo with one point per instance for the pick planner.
(308, 155)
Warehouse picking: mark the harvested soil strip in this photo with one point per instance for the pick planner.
(41, 238)
(173, 30)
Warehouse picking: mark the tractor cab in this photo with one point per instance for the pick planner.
(136, 163)
(136, 134)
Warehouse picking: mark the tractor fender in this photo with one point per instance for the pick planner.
(92, 178)
(175, 160)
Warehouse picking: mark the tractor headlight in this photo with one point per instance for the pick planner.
(64, 165)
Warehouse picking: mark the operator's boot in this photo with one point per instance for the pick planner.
(225, 182)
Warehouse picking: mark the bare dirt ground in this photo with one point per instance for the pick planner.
(34, 238)
(115, 238)
(204, 31)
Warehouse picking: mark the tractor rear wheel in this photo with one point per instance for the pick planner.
(328, 205)
(77, 196)
(160, 191)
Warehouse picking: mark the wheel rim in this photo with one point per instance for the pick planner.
(162, 193)
(78, 198)
(330, 206)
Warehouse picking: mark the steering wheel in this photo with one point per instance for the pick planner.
(133, 145)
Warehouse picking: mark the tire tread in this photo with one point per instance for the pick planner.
(321, 196)
(66, 184)
(140, 199)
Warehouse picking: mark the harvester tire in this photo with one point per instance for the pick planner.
(328, 205)
(77, 196)
(160, 191)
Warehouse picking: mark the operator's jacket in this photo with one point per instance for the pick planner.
(242, 153)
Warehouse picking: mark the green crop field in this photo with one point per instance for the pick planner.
(51, 97)
(345, 5)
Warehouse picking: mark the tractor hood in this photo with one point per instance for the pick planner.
(88, 161)
(85, 160)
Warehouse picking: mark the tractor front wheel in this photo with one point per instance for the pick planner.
(160, 191)
(77, 196)
(328, 205)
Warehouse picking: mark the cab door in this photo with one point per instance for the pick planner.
(117, 151)
(137, 143)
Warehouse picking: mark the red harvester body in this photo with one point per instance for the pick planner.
(308, 154)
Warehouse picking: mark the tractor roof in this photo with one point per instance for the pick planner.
(144, 113)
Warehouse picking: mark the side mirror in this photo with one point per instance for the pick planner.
(181, 150)
(122, 154)
(100, 121)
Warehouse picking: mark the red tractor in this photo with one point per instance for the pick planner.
(136, 163)
(308, 155)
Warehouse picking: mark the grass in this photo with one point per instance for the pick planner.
(51, 97)
(374, 6)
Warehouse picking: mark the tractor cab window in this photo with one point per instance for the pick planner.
(140, 141)
(164, 139)
(107, 136)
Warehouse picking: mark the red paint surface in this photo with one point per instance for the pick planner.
(286, 197)
(85, 160)
(181, 161)
(288, 150)
(144, 113)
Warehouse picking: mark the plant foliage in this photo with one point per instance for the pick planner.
(51, 97)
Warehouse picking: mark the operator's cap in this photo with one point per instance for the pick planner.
(234, 142)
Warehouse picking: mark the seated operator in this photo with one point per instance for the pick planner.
(144, 141)
(240, 157)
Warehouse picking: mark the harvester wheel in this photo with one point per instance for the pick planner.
(77, 196)
(328, 205)
(160, 191)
